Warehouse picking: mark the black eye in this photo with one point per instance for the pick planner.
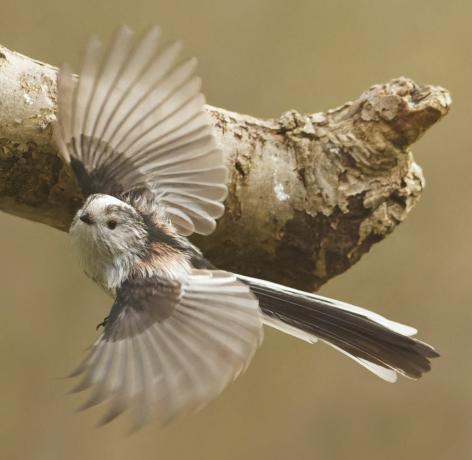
(111, 224)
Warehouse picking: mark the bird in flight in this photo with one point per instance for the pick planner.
(136, 135)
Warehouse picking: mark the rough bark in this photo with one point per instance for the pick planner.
(309, 194)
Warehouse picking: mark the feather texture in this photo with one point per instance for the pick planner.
(135, 119)
(169, 348)
(382, 346)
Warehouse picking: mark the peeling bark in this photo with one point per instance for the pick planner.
(309, 194)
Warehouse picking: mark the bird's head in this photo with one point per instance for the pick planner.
(109, 228)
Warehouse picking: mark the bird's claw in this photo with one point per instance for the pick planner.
(102, 324)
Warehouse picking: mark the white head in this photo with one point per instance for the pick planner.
(115, 239)
(111, 236)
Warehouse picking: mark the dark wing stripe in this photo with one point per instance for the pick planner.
(135, 116)
(169, 348)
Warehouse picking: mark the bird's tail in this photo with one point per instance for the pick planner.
(382, 346)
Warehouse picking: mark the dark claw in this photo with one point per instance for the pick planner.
(102, 324)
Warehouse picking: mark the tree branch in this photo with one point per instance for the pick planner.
(309, 194)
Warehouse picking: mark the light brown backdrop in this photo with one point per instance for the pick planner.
(296, 401)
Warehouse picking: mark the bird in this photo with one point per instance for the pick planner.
(135, 133)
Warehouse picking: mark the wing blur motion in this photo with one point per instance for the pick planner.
(168, 348)
(135, 119)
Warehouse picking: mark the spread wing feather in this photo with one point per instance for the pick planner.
(136, 120)
(169, 348)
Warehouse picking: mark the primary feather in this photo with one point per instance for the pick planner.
(135, 119)
(168, 348)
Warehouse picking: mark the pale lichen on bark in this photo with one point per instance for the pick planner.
(308, 194)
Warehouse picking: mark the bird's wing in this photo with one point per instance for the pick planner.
(135, 119)
(167, 348)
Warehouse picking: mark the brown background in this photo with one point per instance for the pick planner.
(296, 401)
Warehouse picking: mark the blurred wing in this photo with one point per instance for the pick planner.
(136, 120)
(168, 349)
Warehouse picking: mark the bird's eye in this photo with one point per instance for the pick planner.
(111, 224)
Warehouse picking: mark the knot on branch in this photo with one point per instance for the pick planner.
(407, 108)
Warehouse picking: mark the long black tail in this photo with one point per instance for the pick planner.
(382, 346)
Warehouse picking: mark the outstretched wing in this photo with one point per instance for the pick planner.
(168, 348)
(134, 120)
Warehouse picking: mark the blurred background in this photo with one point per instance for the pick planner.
(296, 401)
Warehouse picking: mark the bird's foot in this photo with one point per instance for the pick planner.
(102, 324)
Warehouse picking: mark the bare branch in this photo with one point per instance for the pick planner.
(309, 194)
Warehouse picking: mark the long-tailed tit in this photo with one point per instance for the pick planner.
(136, 135)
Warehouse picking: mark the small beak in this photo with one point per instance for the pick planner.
(85, 217)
